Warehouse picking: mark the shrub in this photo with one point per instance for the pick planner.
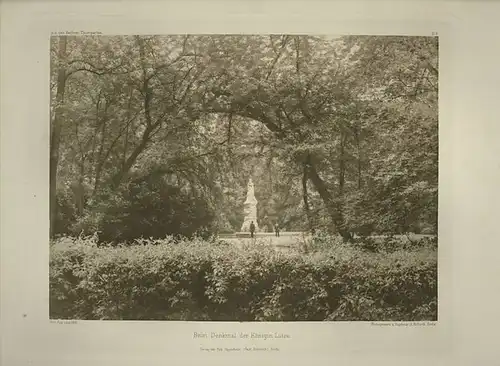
(390, 243)
(200, 280)
(147, 207)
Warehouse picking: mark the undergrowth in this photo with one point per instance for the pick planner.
(209, 280)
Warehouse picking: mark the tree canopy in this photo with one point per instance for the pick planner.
(157, 135)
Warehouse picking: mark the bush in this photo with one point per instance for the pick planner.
(391, 243)
(200, 280)
(148, 208)
(66, 212)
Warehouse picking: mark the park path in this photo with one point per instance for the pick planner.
(286, 241)
(292, 240)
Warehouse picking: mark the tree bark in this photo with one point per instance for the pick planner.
(55, 133)
(102, 139)
(79, 190)
(305, 178)
(340, 201)
(358, 148)
(328, 200)
(342, 164)
(129, 163)
(325, 195)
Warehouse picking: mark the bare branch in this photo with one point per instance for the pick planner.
(89, 67)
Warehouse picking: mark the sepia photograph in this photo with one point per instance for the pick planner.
(244, 177)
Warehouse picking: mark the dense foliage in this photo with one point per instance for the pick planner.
(200, 280)
(155, 135)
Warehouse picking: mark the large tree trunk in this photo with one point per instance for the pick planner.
(55, 133)
(102, 139)
(79, 192)
(342, 164)
(324, 193)
(129, 163)
(305, 178)
(340, 201)
(328, 200)
(357, 139)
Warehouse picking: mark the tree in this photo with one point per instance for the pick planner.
(56, 127)
(343, 128)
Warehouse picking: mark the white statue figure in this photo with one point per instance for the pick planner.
(250, 209)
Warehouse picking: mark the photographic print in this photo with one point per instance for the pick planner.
(236, 177)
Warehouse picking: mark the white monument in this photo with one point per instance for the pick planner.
(250, 209)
